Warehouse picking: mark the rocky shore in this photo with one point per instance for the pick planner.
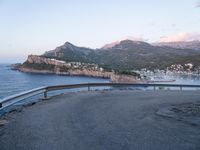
(38, 64)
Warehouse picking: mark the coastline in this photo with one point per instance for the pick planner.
(82, 73)
(46, 72)
(42, 65)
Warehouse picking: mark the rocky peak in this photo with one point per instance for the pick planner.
(125, 44)
(110, 45)
(65, 46)
(128, 44)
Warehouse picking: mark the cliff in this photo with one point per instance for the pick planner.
(38, 64)
(34, 59)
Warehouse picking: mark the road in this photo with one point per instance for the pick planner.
(102, 120)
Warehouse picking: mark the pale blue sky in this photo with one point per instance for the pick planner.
(35, 26)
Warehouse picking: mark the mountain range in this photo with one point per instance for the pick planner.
(131, 55)
(195, 45)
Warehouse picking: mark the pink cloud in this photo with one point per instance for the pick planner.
(183, 36)
(110, 45)
(136, 38)
(197, 4)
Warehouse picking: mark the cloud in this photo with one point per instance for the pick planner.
(136, 38)
(133, 38)
(183, 36)
(197, 5)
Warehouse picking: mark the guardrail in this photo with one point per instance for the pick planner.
(8, 101)
(27, 94)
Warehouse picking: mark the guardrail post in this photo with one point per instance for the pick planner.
(45, 95)
(154, 87)
(88, 88)
(181, 88)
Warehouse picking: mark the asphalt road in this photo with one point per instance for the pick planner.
(107, 120)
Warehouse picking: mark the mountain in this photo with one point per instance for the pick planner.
(110, 45)
(122, 44)
(195, 45)
(127, 55)
(126, 44)
(69, 52)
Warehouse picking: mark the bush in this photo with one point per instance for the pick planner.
(42, 66)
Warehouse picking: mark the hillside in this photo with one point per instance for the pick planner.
(127, 55)
(69, 52)
(44, 65)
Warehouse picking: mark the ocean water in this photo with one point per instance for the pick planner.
(173, 78)
(13, 82)
(176, 78)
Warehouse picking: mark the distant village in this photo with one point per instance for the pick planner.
(78, 65)
(186, 69)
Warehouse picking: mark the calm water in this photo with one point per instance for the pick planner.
(177, 78)
(12, 82)
(174, 78)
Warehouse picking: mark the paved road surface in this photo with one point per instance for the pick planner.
(107, 120)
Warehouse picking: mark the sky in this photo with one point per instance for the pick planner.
(35, 26)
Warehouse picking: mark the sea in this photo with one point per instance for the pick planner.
(13, 82)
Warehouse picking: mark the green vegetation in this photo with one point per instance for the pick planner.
(130, 56)
(130, 73)
(39, 66)
(64, 69)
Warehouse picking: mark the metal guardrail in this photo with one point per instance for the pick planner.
(8, 101)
